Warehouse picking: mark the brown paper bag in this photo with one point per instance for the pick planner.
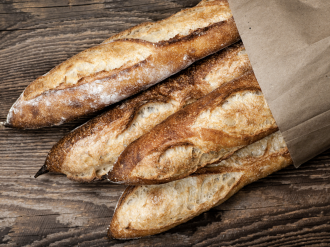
(288, 43)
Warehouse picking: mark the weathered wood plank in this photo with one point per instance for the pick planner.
(30, 15)
(289, 208)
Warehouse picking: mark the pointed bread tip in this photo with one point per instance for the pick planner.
(4, 124)
(42, 170)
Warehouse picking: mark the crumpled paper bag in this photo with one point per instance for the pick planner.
(288, 43)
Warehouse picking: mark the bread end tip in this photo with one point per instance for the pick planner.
(5, 124)
(42, 170)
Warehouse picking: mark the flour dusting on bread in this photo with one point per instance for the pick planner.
(268, 146)
(102, 58)
(173, 202)
(236, 115)
(228, 69)
(94, 156)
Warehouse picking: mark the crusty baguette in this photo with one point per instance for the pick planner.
(150, 209)
(204, 132)
(124, 65)
(90, 151)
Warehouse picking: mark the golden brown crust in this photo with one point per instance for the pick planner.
(177, 91)
(182, 143)
(140, 210)
(68, 92)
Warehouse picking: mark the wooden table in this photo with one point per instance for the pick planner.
(289, 208)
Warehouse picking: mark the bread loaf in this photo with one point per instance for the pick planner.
(90, 151)
(124, 65)
(150, 209)
(204, 132)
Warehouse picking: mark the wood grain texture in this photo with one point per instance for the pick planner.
(289, 208)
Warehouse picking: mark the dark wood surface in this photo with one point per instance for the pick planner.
(289, 208)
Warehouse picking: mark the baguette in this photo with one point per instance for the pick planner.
(124, 65)
(150, 209)
(89, 152)
(206, 131)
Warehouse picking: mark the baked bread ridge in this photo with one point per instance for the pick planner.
(117, 69)
(150, 209)
(88, 152)
(206, 131)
